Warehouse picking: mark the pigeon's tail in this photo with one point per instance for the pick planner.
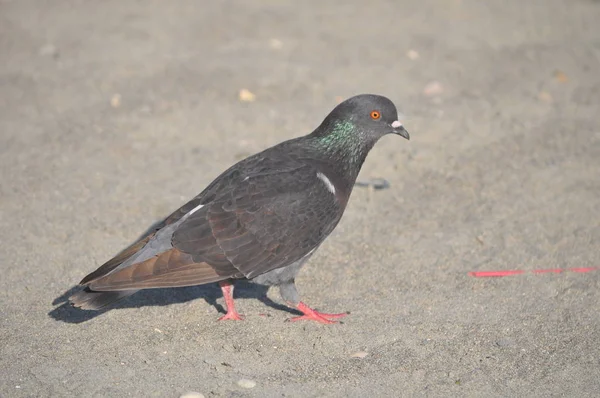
(88, 299)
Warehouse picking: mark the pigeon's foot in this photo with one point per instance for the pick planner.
(233, 315)
(227, 289)
(312, 315)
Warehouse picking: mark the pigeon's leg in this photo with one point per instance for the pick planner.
(227, 289)
(290, 295)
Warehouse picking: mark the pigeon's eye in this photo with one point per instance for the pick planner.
(375, 115)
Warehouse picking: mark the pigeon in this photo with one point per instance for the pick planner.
(260, 220)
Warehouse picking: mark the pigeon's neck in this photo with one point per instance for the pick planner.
(342, 143)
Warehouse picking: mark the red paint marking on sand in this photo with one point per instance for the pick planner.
(583, 269)
(487, 274)
(484, 274)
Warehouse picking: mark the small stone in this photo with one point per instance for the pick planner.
(561, 76)
(360, 354)
(191, 394)
(505, 343)
(412, 55)
(246, 96)
(246, 383)
(115, 100)
(275, 44)
(433, 88)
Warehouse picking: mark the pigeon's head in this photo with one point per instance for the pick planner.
(367, 114)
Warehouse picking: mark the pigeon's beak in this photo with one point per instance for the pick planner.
(400, 130)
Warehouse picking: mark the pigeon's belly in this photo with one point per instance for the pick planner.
(281, 275)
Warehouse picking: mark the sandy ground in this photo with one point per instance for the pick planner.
(113, 113)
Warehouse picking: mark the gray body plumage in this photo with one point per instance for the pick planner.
(284, 277)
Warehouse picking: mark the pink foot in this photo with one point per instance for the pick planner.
(227, 288)
(312, 315)
(232, 315)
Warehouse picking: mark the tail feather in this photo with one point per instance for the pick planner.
(114, 262)
(88, 299)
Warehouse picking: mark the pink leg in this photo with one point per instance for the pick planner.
(227, 289)
(312, 315)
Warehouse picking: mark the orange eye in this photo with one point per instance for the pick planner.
(375, 115)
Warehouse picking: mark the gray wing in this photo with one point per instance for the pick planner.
(266, 221)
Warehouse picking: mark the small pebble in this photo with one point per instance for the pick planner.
(115, 100)
(561, 76)
(360, 354)
(433, 88)
(505, 343)
(275, 44)
(191, 394)
(412, 55)
(246, 96)
(245, 383)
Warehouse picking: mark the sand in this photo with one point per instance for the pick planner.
(114, 113)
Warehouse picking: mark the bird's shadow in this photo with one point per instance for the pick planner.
(65, 312)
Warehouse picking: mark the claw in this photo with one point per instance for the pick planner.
(312, 315)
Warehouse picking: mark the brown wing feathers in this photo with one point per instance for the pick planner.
(172, 268)
(117, 260)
